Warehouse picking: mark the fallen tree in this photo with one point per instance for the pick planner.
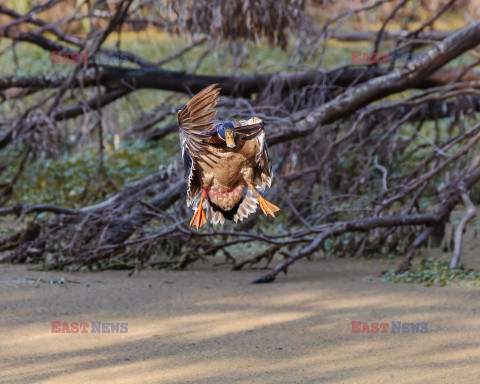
(358, 172)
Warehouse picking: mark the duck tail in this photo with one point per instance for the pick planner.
(245, 206)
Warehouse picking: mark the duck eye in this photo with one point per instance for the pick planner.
(221, 132)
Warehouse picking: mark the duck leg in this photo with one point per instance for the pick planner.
(199, 217)
(267, 207)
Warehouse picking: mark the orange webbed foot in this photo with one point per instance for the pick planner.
(267, 207)
(199, 218)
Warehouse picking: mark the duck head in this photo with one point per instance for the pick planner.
(227, 132)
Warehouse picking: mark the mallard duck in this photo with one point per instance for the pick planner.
(226, 164)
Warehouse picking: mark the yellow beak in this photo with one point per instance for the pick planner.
(229, 139)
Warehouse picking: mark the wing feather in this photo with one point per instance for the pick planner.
(254, 129)
(263, 169)
(249, 129)
(195, 118)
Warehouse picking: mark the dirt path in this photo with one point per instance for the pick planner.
(211, 326)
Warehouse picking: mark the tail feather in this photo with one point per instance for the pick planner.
(246, 205)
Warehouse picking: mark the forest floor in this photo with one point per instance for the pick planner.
(209, 325)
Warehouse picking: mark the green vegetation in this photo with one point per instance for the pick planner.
(74, 180)
(435, 273)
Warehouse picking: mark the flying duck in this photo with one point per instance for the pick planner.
(226, 164)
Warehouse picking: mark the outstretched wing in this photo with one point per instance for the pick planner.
(196, 118)
(249, 129)
(254, 128)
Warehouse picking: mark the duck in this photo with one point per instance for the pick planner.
(226, 164)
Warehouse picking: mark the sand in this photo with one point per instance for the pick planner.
(209, 325)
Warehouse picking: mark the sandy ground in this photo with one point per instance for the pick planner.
(209, 325)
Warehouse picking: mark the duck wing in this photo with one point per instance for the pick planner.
(251, 129)
(195, 120)
(263, 168)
